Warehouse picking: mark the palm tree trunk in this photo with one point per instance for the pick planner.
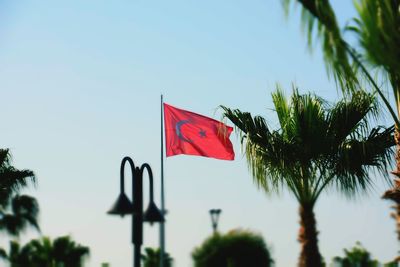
(309, 255)
(394, 193)
(397, 185)
(396, 216)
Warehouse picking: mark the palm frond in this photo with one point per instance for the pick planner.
(24, 213)
(12, 181)
(319, 14)
(27, 208)
(11, 224)
(309, 124)
(262, 147)
(356, 157)
(3, 254)
(338, 52)
(5, 157)
(350, 115)
(281, 108)
(378, 31)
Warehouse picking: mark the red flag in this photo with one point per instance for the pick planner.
(194, 134)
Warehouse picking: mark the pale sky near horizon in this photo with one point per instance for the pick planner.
(80, 84)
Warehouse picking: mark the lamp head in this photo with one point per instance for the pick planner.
(122, 206)
(153, 214)
(215, 211)
(214, 217)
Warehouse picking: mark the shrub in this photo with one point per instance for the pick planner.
(237, 248)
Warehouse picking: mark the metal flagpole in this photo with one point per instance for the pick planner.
(162, 224)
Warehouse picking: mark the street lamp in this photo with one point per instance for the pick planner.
(124, 206)
(214, 213)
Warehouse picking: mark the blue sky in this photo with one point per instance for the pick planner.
(80, 84)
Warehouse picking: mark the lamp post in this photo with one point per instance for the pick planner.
(124, 206)
(214, 213)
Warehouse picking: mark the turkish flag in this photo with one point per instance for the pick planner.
(194, 134)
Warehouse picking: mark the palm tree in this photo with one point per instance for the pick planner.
(46, 253)
(151, 258)
(39, 252)
(316, 148)
(377, 29)
(357, 256)
(17, 212)
(68, 252)
(17, 256)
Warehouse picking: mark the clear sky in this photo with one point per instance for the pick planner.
(80, 85)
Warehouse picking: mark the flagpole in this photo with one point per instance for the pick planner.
(162, 224)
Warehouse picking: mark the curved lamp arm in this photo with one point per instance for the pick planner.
(122, 174)
(149, 171)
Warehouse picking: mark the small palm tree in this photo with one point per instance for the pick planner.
(46, 253)
(316, 148)
(68, 252)
(357, 256)
(17, 212)
(17, 256)
(151, 258)
(40, 252)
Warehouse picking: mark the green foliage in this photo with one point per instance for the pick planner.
(317, 146)
(357, 256)
(17, 212)
(237, 248)
(151, 258)
(378, 30)
(320, 15)
(391, 264)
(46, 253)
(379, 34)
